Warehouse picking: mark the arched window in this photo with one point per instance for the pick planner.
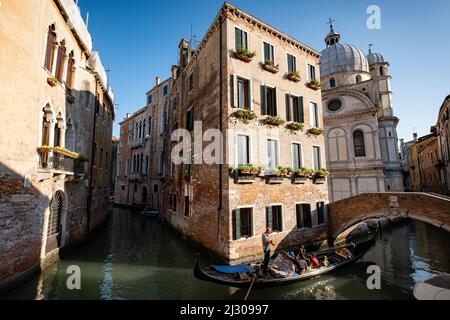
(144, 128)
(61, 61)
(140, 129)
(70, 71)
(54, 229)
(134, 163)
(359, 145)
(136, 131)
(149, 125)
(50, 48)
(381, 71)
(332, 83)
(358, 78)
(45, 140)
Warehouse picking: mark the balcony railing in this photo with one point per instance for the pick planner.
(61, 163)
(135, 177)
(138, 142)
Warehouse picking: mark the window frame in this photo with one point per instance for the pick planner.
(278, 153)
(301, 158)
(252, 220)
(287, 62)
(243, 32)
(320, 157)
(281, 206)
(264, 51)
(308, 72)
(361, 147)
(250, 158)
(297, 204)
(264, 103)
(313, 115)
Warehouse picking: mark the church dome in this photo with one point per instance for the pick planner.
(375, 58)
(342, 57)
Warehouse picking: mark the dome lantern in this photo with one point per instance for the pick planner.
(333, 37)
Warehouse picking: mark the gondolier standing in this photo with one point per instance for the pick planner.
(267, 247)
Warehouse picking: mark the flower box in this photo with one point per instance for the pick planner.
(66, 153)
(293, 76)
(315, 131)
(246, 177)
(319, 179)
(315, 85)
(269, 66)
(45, 149)
(295, 126)
(273, 121)
(52, 81)
(299, 179)
(244, 55)
(275, 179)
(245, 115)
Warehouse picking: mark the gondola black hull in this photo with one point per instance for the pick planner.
(260, 283)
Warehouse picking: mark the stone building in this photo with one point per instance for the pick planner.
(140, 173)
(443, 135)
(428, 165)
(362, 144)
(245, 68)
(415, 161)
(405, 159)
(57, 112)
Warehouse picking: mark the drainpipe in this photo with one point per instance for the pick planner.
(219, 209)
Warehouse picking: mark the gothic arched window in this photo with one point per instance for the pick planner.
(332, 83)
(50, 48)
(358, 143)
(61, 61)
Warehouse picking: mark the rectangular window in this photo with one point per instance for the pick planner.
(296, 156)
(294, 109)
(190, 119)
(149, 99)
(191, 82)
(241, 39)
(316, 158)
(274, 217)
(165, 90)
(242, 223)
(243, 150)
(311, 72)
(269, 101)
(173, 202)
(272, 154)
(320, 213)
(303, 212)
(314, 114)
(269, 53)
(127, 167)
(161, 163)
(187, 207)
(243, 92)
(292, 63)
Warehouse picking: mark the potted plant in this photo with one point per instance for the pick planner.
(231, 169)
(314, 84)
(249, 169)
(285, 171)
(65, 152)
(45, 149)
(320, 176)
(52, 81)
(245, 115)
(273, 121)
(244, 54)
(295, 126)
(269, 65)
(293, 76)
(315, 131)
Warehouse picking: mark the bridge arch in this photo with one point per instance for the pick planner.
(429, 208)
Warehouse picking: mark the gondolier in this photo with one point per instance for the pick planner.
(267, 247)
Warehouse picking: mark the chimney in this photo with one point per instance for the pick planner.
(158, 81)
(415, 136)
(174, 72)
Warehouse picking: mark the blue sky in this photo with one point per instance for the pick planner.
(138, 41)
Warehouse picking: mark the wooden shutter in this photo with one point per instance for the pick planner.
(269, 217)
(236, 224)
(300, 110)
(299, 212)
(263, 100)
(250, 94)
(288, 107)
(235, 92)
(274, 102)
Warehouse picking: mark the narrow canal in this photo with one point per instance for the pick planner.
(136, 258)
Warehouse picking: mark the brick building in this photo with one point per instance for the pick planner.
(140, 171)
(443, 135)
(245, 68)
(57, 113)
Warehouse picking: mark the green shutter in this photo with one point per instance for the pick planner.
(237, 224)
(263, 100)
(300, 110)
(288, 107)
(269, 217)
(274, 102)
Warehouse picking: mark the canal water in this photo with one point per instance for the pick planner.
(135, 257)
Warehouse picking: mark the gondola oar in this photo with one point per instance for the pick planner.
(251, 285)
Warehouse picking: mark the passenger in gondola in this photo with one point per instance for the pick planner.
(314, 261)
(301, 264)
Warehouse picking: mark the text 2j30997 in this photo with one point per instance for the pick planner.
(242, 310)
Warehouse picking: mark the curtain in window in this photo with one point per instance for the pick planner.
(272, 154)
(296, 156)
(243, 150)
(317, 163)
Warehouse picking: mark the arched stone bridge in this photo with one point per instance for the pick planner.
(430, 208)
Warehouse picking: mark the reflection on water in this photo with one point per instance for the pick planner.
(137, 258)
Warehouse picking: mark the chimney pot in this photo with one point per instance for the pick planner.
(158, 81)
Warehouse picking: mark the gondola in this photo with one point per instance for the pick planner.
(242, 276)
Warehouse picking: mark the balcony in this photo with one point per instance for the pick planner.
(135, 177)
(137, 143)
(51, 165)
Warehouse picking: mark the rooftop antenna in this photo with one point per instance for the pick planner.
(193, 39)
